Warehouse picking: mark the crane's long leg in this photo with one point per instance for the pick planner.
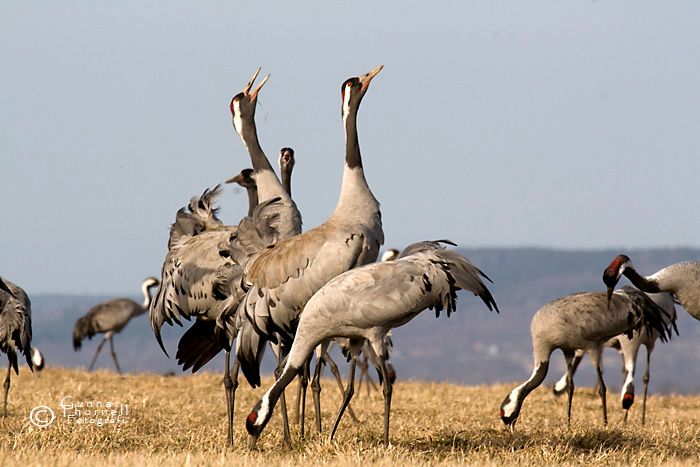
(334, 369)
(596, 356)
(114, 354)
(6, 386)
(364, 373)
(298, 404)
(316, 392)
(304, 381)
(230, 385)
(569, 385)
(349, 391)
(560, 386)
(99, 347)
(283, 403)
(646, 386)
(388, 390)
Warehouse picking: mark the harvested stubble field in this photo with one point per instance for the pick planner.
(181, 421)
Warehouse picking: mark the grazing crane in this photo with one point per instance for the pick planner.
(282, 279)
(364, 304)
(629, 348)
(581, 321)
(109, 318)
(15, 331)
(680, 279)
(344, 345)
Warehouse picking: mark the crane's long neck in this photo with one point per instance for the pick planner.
(258, 418)
(287, 180)
(252, 199)
(269, 185)
(146, 296)
(642, 283)
(510, 408)
(355, 192)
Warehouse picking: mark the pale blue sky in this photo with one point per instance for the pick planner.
(557, 124)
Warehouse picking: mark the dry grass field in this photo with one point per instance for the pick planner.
(180, 421)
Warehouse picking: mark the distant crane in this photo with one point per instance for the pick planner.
(109, 318)
(364, 303)
(16, 331)
(581, 321)
(629, 348)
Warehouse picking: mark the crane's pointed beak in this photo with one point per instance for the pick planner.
(610, 292)
(237, 179)
(254, 94)
(247, 87)
(367, 78)
(252, 441)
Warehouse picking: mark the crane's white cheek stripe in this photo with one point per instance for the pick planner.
(510, 407)
(512, 404)
(264, 409)
(237, 122)
(629, 379)
(346, 103)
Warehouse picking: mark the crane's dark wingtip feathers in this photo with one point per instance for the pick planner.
(156, 332)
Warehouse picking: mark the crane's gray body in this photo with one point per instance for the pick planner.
(365, 303)
(581, 321)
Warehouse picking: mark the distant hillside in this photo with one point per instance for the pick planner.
(472, 346)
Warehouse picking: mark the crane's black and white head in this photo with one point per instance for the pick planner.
(612, 274)
(353, 89)
(37, 359)
(510, 408)
(286, 161)
(257, 419)
(243, 104)
(246, 178)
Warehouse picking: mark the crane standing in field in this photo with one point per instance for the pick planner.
(109, 318)
(581, 321)
(16, 332)
(282, 279)
(364, 304)
(629, 348)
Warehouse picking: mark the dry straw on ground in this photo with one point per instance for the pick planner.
(181, 421)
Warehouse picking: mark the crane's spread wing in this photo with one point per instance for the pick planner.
(255, 233)
(15, 323)
(198, 216)
(187, 281)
